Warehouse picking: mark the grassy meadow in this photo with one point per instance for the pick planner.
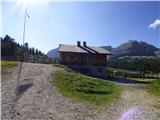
(155, 87)
(86, 89)
(5, 63)
(155, 90)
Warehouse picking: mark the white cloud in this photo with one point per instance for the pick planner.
(155, 24)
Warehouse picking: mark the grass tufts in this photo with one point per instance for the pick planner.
(87, 89)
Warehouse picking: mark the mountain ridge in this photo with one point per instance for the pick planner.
(130, 48)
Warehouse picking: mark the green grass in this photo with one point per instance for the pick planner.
(5, 63)
(147, 75)
(157, 105)
(86, 89)
(122, 70)
(62, 66)
(155, 87)
(59, 65)
(145, 80)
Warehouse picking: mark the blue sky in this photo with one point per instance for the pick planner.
(98, 23)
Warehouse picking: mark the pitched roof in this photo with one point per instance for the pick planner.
(82, 49)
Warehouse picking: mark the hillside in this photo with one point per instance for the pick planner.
(11, 50)
(132, 48)
(53, 53)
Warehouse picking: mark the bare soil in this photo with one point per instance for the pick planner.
(37, 99)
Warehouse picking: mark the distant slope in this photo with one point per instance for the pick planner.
(53, 53)
(132, 48)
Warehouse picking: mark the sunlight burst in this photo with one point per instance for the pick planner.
(26, 2)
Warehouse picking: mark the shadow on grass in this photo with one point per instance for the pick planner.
(93, 91)
(128, 81)
(22, 88)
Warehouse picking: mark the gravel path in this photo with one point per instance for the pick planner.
(40, 100)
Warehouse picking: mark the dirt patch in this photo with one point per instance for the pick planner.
(40, 100)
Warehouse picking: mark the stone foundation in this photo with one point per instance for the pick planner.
(95, 71)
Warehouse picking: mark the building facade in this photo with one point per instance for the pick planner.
(86, 59)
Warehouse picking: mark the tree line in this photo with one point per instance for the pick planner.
(11, 50)
(143, 65)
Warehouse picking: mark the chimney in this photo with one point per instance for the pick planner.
(84, 43)
(78, 43)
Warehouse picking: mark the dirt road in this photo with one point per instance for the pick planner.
(38, 99)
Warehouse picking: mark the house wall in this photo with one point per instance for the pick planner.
(82, 58)
(90, 64)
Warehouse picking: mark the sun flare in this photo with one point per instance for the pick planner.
(26, 2)
(32, 1)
